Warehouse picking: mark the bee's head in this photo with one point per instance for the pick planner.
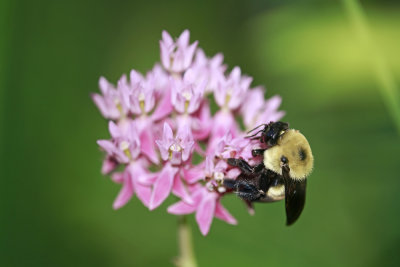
(292, 149)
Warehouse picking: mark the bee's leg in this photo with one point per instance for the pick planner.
(244, 166)
(230, 184)
(248, 191)
(250, 207)
(241, 164)
(257, 152)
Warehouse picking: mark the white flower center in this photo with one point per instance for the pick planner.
(175, 147)
(141, 96)
(221, 189)
(210, 187)
(124, 145)
(187, 96)
(218, 176)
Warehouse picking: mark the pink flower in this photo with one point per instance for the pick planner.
(256, 110)
(125, 143)
(186, 95)
(231, 91)
(159, 78)
(211, 70)
(109, 102)
(176, 150)
(130, 180)
(137, 96)
(176, 56)
(124, 148)
(207, 205)
(230, 147)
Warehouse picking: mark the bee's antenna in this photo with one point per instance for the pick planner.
(252, 130)
(253, 136)
(256, 128)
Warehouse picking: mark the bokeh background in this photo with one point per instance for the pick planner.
(56, 206)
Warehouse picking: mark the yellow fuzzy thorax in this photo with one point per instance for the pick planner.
(295, 147)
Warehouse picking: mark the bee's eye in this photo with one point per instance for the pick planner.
(284, 159)
(302, 154)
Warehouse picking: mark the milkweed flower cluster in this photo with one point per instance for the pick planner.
(161, 124)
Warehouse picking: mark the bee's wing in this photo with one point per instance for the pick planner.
(295, 198)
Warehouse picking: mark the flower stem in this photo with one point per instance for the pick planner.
(186, 254)
(384, 77)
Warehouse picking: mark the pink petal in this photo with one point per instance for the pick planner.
(104, 85)
(164, 55)
(235, 74)
(124, 93)
(189, 55)
(99, 101)
(135, 78)
(203, 124)
(114, 130)
(223, 123)
(162, 186)
(221, 166)
(193, 174)
(176, 158)
(187, 150)
(110, 148)
(125, 194)
(109, 164)
(166, 38)
(252, 105)
(163, 150)
(168, 136)
(209, 170)
(136, 171)
(183, 39)
(185, 135)
(222, 214)
(164, 107)
(148, 179)
(201, 59)
(107, 146)
(246, 81)
(181, 208)
(179, 190)
(143, 193)
(118, 177)
(274, 102)
(205, 212)
(233, 173)
(147, 145)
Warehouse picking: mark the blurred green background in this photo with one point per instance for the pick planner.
(56, 206)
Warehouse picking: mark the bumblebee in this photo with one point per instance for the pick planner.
(286, 163)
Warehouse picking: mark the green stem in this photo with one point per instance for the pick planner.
(384, 77)
(186, 253)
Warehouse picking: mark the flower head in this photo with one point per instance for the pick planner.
(162, 125)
